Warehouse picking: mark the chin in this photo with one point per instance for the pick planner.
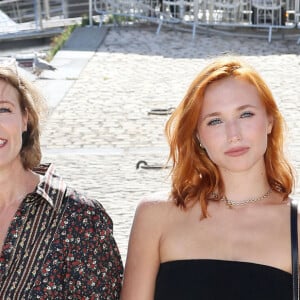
(237, 166)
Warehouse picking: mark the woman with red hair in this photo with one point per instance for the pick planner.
(224, 232)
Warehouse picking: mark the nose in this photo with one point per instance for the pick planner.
(233, 132)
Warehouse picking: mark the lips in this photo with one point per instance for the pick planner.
(237, 151)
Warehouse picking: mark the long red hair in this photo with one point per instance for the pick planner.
(194, 176)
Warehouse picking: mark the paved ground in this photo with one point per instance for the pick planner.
(100, 129)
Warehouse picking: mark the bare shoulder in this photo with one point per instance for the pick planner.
(143, 257)
(155, 206)
(152, 215)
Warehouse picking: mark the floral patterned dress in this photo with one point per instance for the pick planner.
(60, 245)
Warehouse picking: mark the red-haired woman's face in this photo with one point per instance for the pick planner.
(233, 125)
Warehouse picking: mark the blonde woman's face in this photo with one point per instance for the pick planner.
(233, 125)
(12, 124)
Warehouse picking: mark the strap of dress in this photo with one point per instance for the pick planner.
(294, 248)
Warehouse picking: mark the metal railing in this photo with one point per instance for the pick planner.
(23, 15)
(263, 14)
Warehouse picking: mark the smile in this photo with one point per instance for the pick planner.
(237, 151)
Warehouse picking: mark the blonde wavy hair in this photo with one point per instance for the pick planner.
(31, 102)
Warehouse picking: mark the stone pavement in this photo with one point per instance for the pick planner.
(101, 128)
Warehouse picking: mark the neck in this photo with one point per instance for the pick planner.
(232, 203)
(15, 184)
(241, 187)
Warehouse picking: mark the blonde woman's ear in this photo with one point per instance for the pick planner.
(25, 119)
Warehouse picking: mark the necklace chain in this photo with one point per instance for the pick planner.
(231, 203)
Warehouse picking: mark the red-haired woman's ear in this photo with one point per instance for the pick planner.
(270, 125)
(199, 141)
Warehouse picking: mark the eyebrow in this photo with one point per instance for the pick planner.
(6, 102)
(216, 114)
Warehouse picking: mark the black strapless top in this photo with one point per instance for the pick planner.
(209, 279)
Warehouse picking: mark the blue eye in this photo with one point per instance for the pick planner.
(4, 110)
(247, 114)
(214, 122)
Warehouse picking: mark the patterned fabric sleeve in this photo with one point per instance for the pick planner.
(94, 262)
(83, 261)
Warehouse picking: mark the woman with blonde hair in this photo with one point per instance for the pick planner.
(224, 232)
(54, 242)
